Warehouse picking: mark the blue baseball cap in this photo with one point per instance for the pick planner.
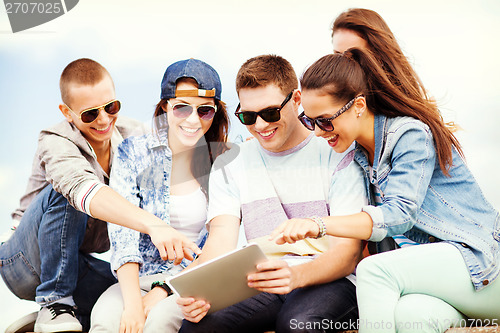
(208, 80)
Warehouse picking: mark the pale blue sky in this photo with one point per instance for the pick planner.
(452, 43)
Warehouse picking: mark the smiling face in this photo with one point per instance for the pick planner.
(83, 97)
(348, 127)
(184, 133)
(276, 136)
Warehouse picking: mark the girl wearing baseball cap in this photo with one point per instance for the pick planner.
(166, 173)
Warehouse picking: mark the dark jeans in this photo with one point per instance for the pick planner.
(42, 261)
(328, 307)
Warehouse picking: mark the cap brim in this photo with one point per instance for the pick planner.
(195, 93)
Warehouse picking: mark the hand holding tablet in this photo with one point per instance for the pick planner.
(221, 281)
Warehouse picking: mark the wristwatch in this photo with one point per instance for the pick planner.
(163, 285)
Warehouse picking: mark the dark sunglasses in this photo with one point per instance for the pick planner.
(89, 115)
(324, 124)
(269, 115)
(183, 110)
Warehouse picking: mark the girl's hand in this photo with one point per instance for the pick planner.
(133, 319)
(294, 230)
(152, 298)
(172, 244)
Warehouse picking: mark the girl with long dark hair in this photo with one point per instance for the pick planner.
(419, 186)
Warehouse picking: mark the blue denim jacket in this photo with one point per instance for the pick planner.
(141, 174)
(422, 203)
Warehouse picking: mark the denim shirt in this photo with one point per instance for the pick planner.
(422, 203)
(141, 174)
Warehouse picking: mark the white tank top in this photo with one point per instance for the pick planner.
(188, 213)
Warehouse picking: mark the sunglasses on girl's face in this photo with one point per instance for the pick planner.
(269, 115)
(183, 110)
(324, 124)
(89, 115)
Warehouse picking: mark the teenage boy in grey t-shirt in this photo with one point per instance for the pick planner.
(284, 172)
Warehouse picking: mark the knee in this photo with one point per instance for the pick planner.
(55, 199)
(409, 316)
(424, 314)
(165, 317)
(51, 198)
(105, 320)
(107, 312)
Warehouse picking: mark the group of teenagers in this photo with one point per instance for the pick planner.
(368, 161)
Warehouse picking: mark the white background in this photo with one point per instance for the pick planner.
(453, 44)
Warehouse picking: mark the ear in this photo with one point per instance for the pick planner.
(66, 112)
(297, 98)
(360, 104)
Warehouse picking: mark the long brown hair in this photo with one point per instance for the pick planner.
(215, 138)
(370, 26)
(357, 72)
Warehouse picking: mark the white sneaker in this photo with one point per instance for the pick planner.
(57, 318)
(23, 324)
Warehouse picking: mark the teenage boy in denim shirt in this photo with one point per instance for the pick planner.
(285, 172)
(48, 257)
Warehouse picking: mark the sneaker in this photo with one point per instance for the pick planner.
(23, 324)
(57, 318)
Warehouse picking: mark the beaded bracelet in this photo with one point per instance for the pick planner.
(321, 225)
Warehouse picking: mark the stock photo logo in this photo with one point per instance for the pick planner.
(28, 14)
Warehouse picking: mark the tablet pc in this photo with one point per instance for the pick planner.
(221, 281)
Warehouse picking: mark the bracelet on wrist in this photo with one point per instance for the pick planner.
(163, 285)
(321, 225)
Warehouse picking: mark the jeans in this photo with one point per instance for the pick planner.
(42, 261)
(327, 307)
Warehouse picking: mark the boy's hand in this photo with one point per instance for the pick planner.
(172, 244)
(193, 310)
(273, 276)
(294, 230)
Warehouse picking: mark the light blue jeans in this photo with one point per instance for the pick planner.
(42, 261)
(422, 288)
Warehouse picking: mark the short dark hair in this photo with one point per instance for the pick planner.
(267, 69)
